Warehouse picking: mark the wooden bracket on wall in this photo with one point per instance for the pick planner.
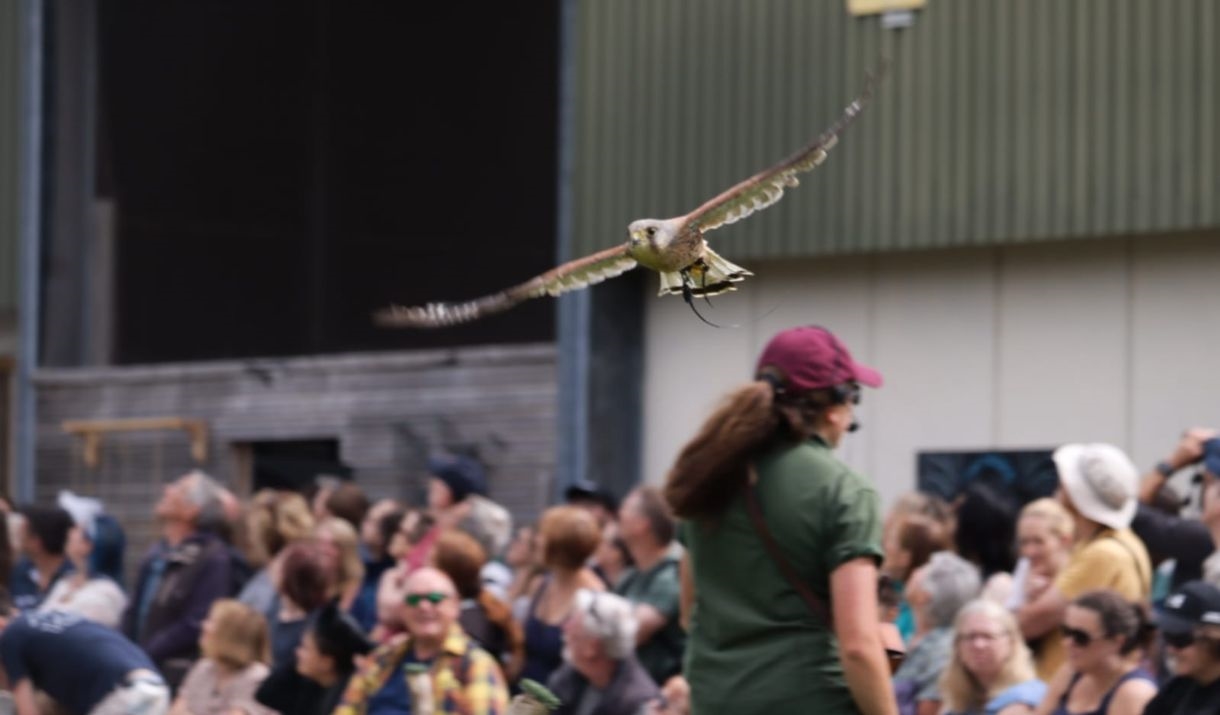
(92, 431)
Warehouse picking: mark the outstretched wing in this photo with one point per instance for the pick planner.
(766, 187)
(570, 276)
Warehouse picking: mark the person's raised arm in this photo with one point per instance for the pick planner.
(853, 589)
(1043, 615)
(1186, 452)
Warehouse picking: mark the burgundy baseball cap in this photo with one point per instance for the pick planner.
(811, 357)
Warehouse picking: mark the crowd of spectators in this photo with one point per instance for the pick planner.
(317, 602)
(1101, 598)
(1108, 606)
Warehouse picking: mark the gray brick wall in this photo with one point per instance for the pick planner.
(387, 412)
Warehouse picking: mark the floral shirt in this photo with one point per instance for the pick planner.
(464, 678)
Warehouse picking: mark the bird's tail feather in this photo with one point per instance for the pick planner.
(706, 277)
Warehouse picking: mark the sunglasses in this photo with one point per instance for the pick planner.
(1178, 639)
(433, 597)
(1077, 636)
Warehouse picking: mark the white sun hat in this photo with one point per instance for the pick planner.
(83, 510)
(1101, 480)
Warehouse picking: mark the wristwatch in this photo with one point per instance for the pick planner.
(1165, 468)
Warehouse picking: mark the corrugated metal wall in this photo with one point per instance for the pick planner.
(1001, 120)
(10, 88)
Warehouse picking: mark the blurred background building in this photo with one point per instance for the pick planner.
(1022, 232)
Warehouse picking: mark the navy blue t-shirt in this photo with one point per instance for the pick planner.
(75, 661)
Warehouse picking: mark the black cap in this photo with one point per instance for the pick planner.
(339, 635)
(585, 490)
(463, 475)
(1195, 603)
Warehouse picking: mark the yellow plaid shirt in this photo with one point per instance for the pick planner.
(466, 680)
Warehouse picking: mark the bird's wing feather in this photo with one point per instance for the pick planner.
(575, 274)
(766, 187)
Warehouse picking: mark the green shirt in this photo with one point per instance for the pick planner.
(754, 645)
(661, 655)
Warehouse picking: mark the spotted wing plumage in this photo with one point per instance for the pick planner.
(573, 275)
(767, 187)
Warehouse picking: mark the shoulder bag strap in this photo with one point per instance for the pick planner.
(815, 604)
(1139, 568)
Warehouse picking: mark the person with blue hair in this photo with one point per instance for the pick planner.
(95, 548)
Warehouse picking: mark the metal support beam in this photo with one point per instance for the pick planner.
(29, 188)
(600, 333)
(572, 333)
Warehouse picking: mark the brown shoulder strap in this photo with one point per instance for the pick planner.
(1139, 568)
(815, 604)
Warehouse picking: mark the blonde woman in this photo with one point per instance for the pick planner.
(1044, 541)
(272, 521)
(991, 671)
(343, 539)
(235, 649)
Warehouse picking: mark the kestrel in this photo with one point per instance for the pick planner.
(674, 247)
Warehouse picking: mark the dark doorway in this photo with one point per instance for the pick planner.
(296, 464)
(282, 170)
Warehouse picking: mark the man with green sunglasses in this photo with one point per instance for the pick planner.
(434, 667)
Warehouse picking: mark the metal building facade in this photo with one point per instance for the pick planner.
(1000, 121)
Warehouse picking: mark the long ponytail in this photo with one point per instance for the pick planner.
(713, 465)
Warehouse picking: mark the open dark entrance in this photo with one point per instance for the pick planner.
(281, 170)
(296, 464)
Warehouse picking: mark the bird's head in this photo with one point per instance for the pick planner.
(650, 232)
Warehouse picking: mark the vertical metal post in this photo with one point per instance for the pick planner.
(574, 309)
(29, 227)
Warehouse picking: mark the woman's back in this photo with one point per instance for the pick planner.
(543, 641)
(754, 644)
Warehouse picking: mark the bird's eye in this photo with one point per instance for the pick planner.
(652, 231)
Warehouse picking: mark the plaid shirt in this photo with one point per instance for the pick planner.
(466, 680)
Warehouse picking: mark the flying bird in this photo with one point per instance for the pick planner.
(673, 247)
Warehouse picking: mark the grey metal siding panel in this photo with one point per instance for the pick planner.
(1003, 121)
(10, 92)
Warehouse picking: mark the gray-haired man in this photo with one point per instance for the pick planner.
(601, 675)
(180, 577)
(936, 591)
